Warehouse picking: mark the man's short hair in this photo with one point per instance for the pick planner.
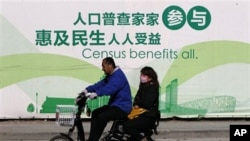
(109, 61)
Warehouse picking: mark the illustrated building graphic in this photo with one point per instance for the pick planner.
(171, 106)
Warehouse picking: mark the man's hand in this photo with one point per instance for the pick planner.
(84, 91)
(91, 95)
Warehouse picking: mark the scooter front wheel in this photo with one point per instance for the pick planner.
(61, 137)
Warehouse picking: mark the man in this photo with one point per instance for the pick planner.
(116, 85)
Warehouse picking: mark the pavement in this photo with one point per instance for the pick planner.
(169, 129)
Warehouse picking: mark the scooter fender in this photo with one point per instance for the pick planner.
(65, 135)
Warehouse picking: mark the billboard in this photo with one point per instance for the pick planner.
(51, 50)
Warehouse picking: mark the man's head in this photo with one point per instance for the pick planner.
(108, 65)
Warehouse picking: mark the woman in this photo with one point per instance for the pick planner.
(147, 97)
